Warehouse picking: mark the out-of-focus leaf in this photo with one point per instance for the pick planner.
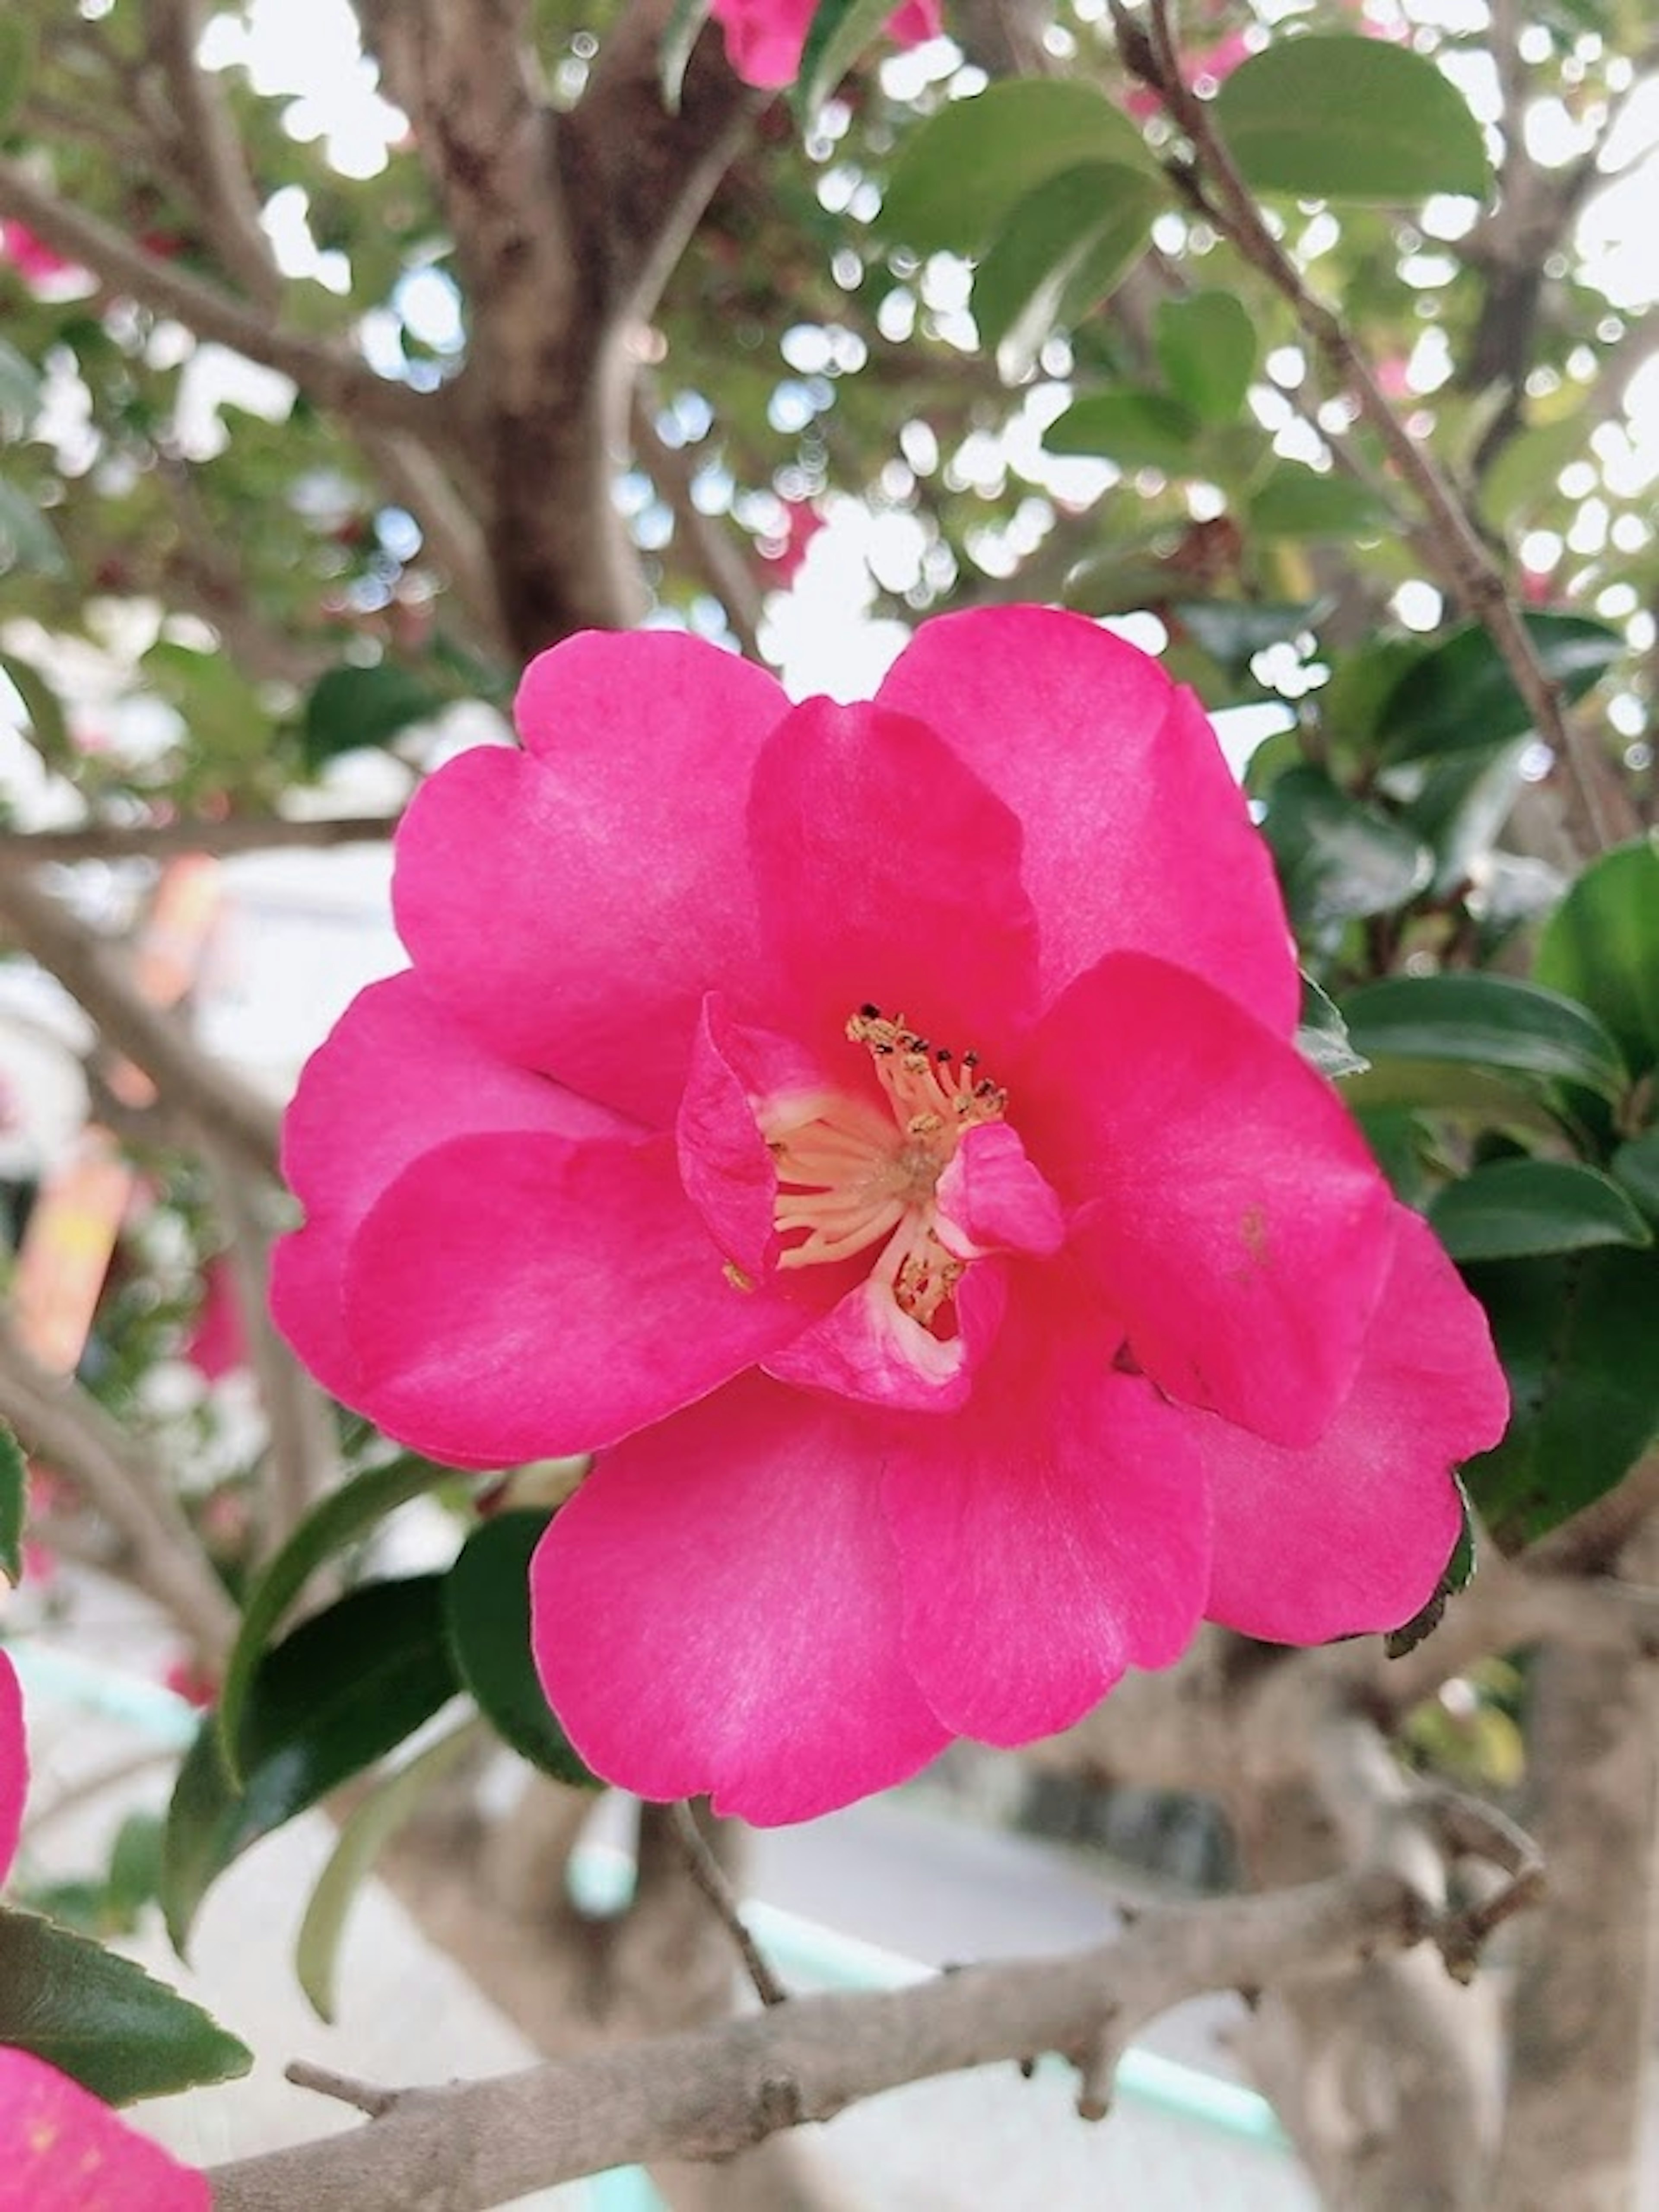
(345, 1688)
(1460, 805)
(13, 1501)
(1330, 116)
(16, 64)
(1492, 1022)
(838, 33)
(1575, 1333)
(1337, 858)
(1065, 246)
(961, 174)
(1233, 631)
(27, 540)
(101, 2020)
(40, 704)
(1523, 476)
(487, 1615)
(375, 1819)
(352, 706)
(1443, 1088)
(1322, 1036)
(1206, 348)
(20, 380)
(1135, 429)
(1460, 696)
(1635, 1165)
(1514, 1208)
(1296, 502)
(1601, 944)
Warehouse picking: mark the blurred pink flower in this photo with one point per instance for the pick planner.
(35, 262)
(1203, 71)
(764, 37)
(61, 2149)
(218, 1345)
(877, 1132)
(782, 555)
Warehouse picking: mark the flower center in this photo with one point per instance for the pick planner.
(850, 1175)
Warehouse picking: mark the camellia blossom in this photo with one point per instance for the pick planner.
(764, 37)
(876, 1132)
(61, 2149)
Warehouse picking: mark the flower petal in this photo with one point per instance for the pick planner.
(397, 1076)
(1352, 1534)
(867, 1347)
(992, 1199)
(1051, 1535)
(572, 903)
(524, 1296)
(61, 2150)
(1137, 836)
(744, 1546)
(1224, 1200)
(887, 873)
(14, 1764)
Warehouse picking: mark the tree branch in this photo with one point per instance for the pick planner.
(721, 2090)
(203, 151)
(162, 841)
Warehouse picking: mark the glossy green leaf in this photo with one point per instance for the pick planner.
(1636, 1166)
(1513, 1208)
(1601, 944)
(1206, 348)
(101, 2020)
(352, 706)
(27, 540)
(1296, 501)
(838, 33)
(19, 386)
(1441, 1089)
(1462, 804)
(345, 1688)
(374, 1821)
(1064, 248)
(961, 174)
(1330, 116)
(487, 1615)
(1492, 1022)
(1522, 478)
(343, 1517)
(1337, 858)
(1322, 1036)
(1135, 429)
(47, 722)
(1233, 631)
(1461, 695)
(1576, 1334)
(13, 1503)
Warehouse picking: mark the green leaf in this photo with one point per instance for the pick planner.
(486, 1614)
(1333, 117)
(1635, 1165)
(20, 380)
(1524, 477)
(1576, 1334)
(1296, 502)
(372, 1822)
(101, 2020)
(1601, 944)
(343, 1516)
(961, 174)
(27, 540)
(1444, 1089)
(13, 1503)
(683, 29)
(1461, 803)
(1513, 1208)
(1135, 429)
(1460, 694)
(1337, 858)
(350, 706)
(1233, 631)
(1206, 348)
(1064, 248)
(1490, 1021)
(1322, 1036)
(838, 33)
(40, 704)
(346, 1687)
(16, 65)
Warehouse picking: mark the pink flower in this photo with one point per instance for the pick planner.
(783, 553)
(61, 2150)
(764, 37)
(218, 1345)
(875, 1131)
(1203, 72)
(35, 262)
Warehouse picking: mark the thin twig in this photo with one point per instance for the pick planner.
(361, 2096)
(706, 1874)
(162, 841)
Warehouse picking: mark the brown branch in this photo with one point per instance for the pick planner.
(706, 1872)
(162, 841)
(202, 150)
(69, 1431)
(333, 377)
(1213, 186)
(708, 545)
(92, 971)
(718, 2091)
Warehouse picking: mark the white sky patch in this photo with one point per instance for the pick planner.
(310, 49)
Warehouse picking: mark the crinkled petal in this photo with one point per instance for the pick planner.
(14, 1764)
(523, 1296)
(397, 1076)
(867, 1347)
(572, 903)
(992, 1199)
(61, 2150)
(1352, 1534)
(1225, 1203)
(887, 874)
(743, 1548)
(1051, 1535)
(1137, 836)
